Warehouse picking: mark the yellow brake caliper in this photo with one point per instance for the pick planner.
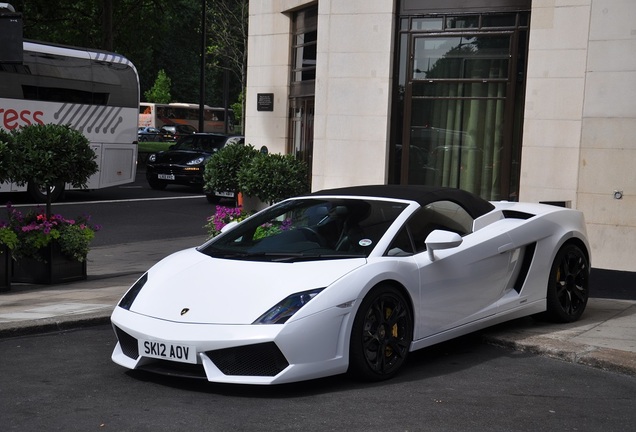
(388, 352)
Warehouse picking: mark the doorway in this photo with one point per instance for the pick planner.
(462, 102)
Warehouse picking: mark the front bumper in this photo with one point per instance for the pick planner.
(308, 348)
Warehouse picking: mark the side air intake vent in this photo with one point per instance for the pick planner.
(528, 256)
(252, 360)
(513, 214)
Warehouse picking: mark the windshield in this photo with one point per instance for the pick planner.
(209, 143)
(307, 229)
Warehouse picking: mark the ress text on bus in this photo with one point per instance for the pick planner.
(11, 119)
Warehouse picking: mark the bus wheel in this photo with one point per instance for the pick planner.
(38, 192)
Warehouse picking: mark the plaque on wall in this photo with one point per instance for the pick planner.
(265, 101)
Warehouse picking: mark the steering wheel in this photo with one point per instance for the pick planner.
(312, 235)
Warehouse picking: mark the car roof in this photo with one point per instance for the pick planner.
(423, 195)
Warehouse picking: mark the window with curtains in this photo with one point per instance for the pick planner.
(460, 98)
(302, 84)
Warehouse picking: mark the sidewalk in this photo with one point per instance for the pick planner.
(605, 337)
(28, 309)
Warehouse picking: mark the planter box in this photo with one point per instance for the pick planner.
(55, 268)
(5, 268)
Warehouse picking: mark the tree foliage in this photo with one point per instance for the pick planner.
(160, 91)
(51, 154)
(154, 35)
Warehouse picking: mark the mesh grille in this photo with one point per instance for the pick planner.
(128, 344)
(169, 368)
(252, 360)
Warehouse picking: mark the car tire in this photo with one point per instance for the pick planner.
(568, 285)
(157, 185)
(381, 335)
(38, 192)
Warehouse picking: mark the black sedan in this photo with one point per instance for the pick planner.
(149, 134)
(184, 162)
(176, 131)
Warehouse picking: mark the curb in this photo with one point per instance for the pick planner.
(51, 325)
(599, 358)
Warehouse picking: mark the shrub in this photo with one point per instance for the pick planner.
(221, 170)
(274, 177)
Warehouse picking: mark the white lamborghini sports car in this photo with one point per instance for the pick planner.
(351, 280)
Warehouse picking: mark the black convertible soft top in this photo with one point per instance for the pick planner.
(423, 195)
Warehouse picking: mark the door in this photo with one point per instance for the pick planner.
(463, 284)
(459, 102)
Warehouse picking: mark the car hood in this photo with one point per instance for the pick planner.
(180, 157)
(225, 291)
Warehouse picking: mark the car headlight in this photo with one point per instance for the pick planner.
(196, 161)
(284, 310)
(128, 299)
(152, 158)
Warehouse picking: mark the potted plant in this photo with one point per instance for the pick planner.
(268, 177)
(50, 248)
(221, 170)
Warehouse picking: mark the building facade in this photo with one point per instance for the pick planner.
(529, 100)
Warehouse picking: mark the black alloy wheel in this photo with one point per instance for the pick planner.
(381, 335)
(568, 289)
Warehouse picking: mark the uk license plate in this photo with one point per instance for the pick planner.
(224, 194)
(167, 351)
(165, 176)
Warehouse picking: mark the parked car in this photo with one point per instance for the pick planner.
(176, 131)
(184, 162)
(149, 134)
(351, 279)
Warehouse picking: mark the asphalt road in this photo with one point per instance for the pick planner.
(67, 382)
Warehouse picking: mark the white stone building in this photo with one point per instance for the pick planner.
(531, 100)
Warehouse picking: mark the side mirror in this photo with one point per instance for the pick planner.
(440, 239)
(229, 226)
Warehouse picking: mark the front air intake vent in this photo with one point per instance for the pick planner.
(251, 360)
(128, 344)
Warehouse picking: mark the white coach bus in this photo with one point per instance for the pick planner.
(94, 92)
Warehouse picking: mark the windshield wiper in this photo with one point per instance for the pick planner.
(275, 256)
(316, 257)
